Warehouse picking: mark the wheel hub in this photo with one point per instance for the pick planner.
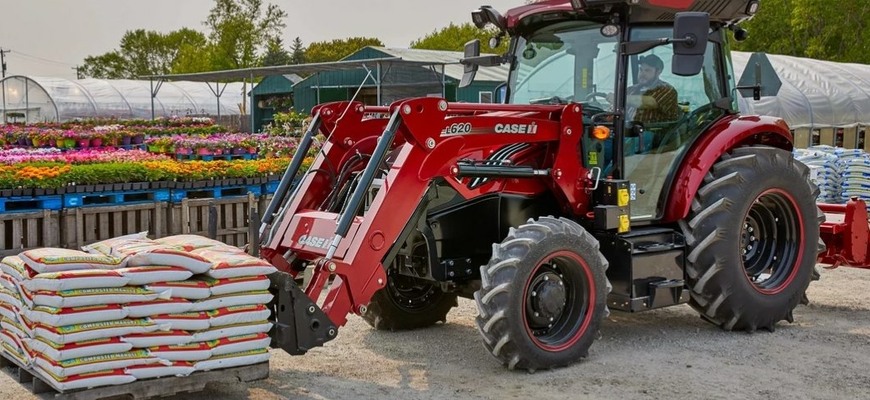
(548, 299)
(749, 238)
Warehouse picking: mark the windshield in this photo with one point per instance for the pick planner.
(565, 62)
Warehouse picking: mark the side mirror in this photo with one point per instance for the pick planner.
(690, 42)
(472, 50)
(473, 60)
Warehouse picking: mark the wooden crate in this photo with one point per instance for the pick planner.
(26, 230)
(86, 225)
(228, 218)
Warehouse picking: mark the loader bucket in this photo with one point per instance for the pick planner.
(846, 234)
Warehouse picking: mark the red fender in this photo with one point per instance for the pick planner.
(726, 134)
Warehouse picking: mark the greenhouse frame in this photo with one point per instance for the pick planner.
(30, 99)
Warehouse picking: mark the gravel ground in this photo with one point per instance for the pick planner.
(669, 353)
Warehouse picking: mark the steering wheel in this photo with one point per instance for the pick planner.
(592, 100)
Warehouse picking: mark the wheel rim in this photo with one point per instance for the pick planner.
(411, 295)
(770, 241)
(558, 301)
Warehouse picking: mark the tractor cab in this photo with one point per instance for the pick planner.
(647, 85)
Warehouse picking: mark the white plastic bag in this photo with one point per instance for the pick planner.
(232, 330)
(93, 297)
(191, 289)
(237, 285)
(76, 315)
(14, 266)
(158, 338)
(71, 280)
(191, 321)
(55, 260)
(233, 360)
(233, 264)
(86, 365)
(96, 330)
(158, 307)
(102, 378)
(149, 274)
(238, 344)
(70, 351)
(238, 315)
(232, 300)
(184, 352)
(177, 368)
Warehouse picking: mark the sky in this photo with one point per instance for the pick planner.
(51, 37)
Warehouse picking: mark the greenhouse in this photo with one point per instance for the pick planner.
(31, 99)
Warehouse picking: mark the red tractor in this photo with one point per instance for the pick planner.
(572, 198)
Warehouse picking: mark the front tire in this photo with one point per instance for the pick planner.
(753, 236)
(542, 295)
(406, 303)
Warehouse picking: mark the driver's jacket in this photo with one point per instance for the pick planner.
(666, 109)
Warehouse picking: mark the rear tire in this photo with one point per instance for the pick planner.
(406, 304)
(753, 238)
(542, 295)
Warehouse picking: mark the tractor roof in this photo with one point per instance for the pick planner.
(723, 11)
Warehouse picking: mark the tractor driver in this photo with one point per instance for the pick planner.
(651, 100)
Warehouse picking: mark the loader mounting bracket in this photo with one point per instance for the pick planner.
(299, 324)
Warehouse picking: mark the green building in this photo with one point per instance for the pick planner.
(393, 74)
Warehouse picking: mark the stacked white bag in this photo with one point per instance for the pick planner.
(825, 171)
(840, 173)
(133, 308)
(70, 316)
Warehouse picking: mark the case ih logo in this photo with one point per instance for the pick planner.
(522, 129)
(313, 241)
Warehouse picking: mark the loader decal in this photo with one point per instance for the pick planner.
(522, 129)
(313, 241)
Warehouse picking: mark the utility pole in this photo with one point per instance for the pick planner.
(3, 61)
(78, 72)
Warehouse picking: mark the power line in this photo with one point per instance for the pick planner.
(18, 53)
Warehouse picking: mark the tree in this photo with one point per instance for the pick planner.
(337, 49)
(811, 28)
(297, 52)
(107, 66)
(275, 54)
(142, 53)
(453, 38)
(240, 29)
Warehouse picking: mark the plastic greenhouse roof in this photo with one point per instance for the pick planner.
(814, 94)
(58, 99)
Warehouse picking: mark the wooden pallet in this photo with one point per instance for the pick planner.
(138, 390)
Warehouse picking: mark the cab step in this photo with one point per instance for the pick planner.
(647, 268)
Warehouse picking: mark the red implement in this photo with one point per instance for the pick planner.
(846, 233)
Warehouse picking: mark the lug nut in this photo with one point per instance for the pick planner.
(534, 293)
(311, 309)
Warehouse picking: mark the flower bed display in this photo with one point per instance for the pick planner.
(55, 175)
(98, 156)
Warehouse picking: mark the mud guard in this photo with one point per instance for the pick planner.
(298, 323)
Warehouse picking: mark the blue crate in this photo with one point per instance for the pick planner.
(217, 192)
(271, 187)
(73, 200)
(30, 203)
(225, 157)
